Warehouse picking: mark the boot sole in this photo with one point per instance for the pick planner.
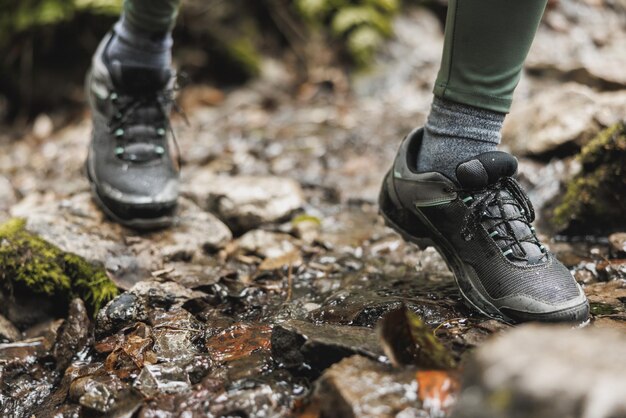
(140, 224)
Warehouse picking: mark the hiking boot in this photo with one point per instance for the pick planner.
(134, 177)
(480, 223)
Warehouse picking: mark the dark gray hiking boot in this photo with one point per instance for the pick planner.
(133, 174)
(481, 225)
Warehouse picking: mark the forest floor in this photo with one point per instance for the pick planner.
(265, 298)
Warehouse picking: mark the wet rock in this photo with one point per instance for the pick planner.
(360, 387)
(124, 310)
(8, 332)
(528, 372)
(128, 351)
(364, 299)
(104, 393)
(165, 295)
(407, 341)
(162, 378)
(561, 119)
(194, 232)
(245, 203)
(239, 341)
(255, 399)
(617, 243)
(24, 386)
(73, 335)
(312, 348)
(175, 334)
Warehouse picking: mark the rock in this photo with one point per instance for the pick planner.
(194, 232)
(136, 304)
(166, 295)
(267, 244)
(238, 341)
(528, 372)
(245, 203)
(175, 333)
(407, 341)
(582, 41)
(563, 119)
(595, 200)
(360, 387)
(73, 336)
(365, 298)
(617, 243)
(124, 310)
(8, 332)
(162, 378)
(104, 393)
(77, 226)
(33, 266)
(312, 348)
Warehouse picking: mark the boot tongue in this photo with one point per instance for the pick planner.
(139, 80)
(485, 169)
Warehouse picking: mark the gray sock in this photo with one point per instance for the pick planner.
(455, 132)
(132, 46)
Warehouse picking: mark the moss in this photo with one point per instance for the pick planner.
(28, 262)
(360, 24)
(595, 199)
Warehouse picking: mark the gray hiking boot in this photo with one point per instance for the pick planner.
(481, 224)
(133, 175)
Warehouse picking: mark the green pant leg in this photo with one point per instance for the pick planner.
(151, 15)
(486, 43)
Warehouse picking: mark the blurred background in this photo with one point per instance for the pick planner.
(294, 110)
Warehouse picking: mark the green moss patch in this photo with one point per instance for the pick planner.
(595, 200)
(27, 262)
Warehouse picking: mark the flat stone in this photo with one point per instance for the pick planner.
(544, 371)
(77, 225)
(312, 348)
(245, 203)
(195, 232)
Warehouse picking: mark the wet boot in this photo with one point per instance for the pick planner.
(133, 172)
(480, 222)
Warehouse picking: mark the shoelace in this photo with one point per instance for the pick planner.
(493, 194)
(126, 106)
